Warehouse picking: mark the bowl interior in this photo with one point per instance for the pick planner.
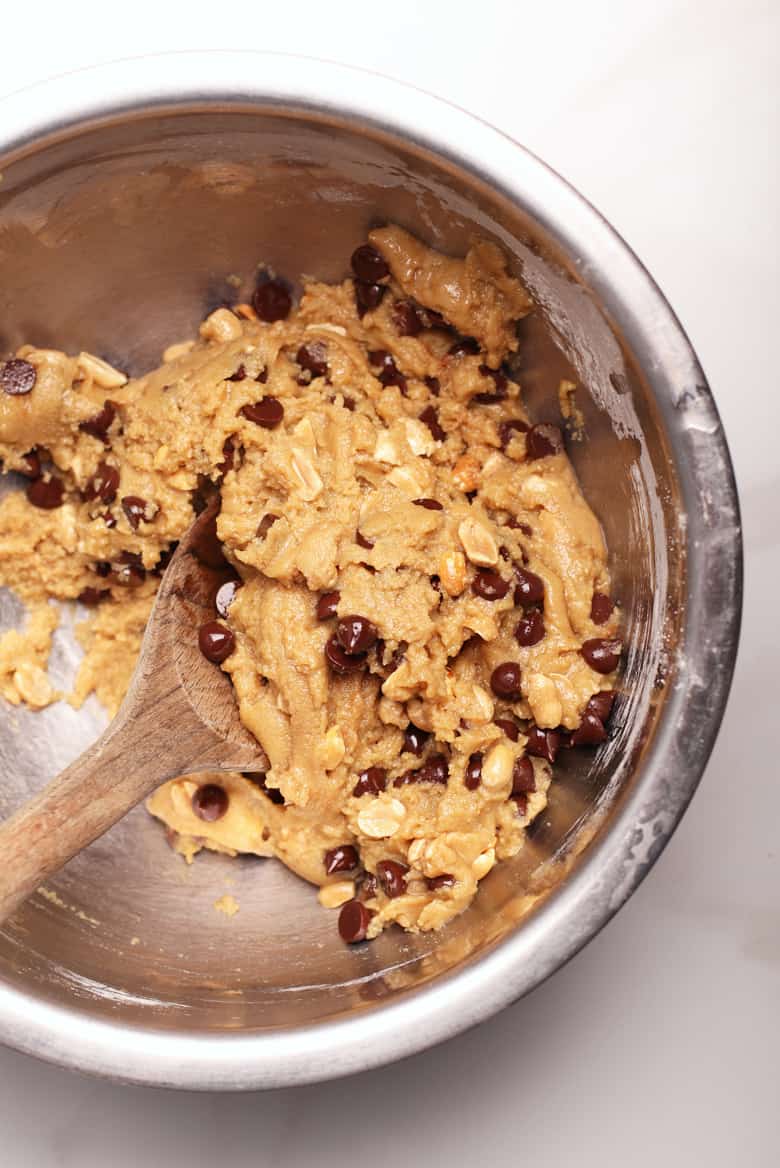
(117, 237)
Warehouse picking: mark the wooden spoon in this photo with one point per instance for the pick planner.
(179, 716)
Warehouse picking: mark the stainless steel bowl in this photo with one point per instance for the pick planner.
(128, 194)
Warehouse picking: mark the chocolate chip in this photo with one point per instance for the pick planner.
(265, 525)
(239, 374)
(363, 542)
(601, 704)
(368, 296)
(601, 607)
(473, 776)
(109, 520)
(543, 743)
(262, 376)
(356, 634)
(46, 493)
(313, 357)
(498, 393)
(348, 402)
(509, 726)
(521, 803)
(340, 661)
(368, 264)
(542, 441)
(32, 465)
(228, 456)
(446, 880)
(370, 782)
(433, 385)
(134, 508)
(216, 642)
(505, 681)
(415, 739)
(407, 320)
(508, 428)
(389, 373)
(17, 377)
(354, 920)
(129, 571)
(341, 859)
(530, 628)
(529, 590)
(272, 301)
(464, 347)
(225, 595)
(523, 778)
(489, 585)
(602, 655)
(210, 802)
(429, 504)
(99, 426)
(273, 793)
(268, 412)
(327, 605)
(431, 420)
(392, 877)
(103, 484)
(102, 568)
(434, 770)
(590, 731)
(92, 596)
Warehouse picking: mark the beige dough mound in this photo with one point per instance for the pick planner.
(421, 614)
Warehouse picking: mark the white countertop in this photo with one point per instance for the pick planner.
(656, 1045)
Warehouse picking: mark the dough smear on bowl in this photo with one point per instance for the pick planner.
(421, 601)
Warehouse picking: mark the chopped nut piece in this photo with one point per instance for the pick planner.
(336, 894)
(33, 685)
(221, 326)
(382, 819)
(333, 749)
(101, 373)
(178, 349)
(497, 769)
(452, 573)
(419, 437)
(483, 863)
(478, 543)
(304, 470)
(466, 473)
(386, 449)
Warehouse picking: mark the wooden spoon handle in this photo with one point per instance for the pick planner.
(140, 749)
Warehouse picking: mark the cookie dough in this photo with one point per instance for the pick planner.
(421, 605)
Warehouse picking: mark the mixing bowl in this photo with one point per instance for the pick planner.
(129, 194)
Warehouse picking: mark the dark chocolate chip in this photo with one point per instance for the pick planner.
(542, 441)
(370, 782)
(433, 385)
(407, 320)
(601, 704)
(436, 882)
(313, 357)
(415, 739)
(509, 726)
(392, 877)
(99, 426)
(46, 493)
(341, 662)
(601, 607)
(356, 634)
(327, 605)
(239, 374)
(530, 628)
(464, 347)
(473, 776)
(363, 542)
(429, 504)
(368, 264)
(523, 778)
(521, 803)
(368, 296)
(590, 731)
(272, 301)
(389, 373)
(17, 376)
(499, 391)
(354, 920)
(32, 465)
(431, 420)
(505, 681)
(134, 508)
(268, 412)
(103, 484)
(341, 859)
(210, 802)
(602, 655)
(216, 642)
(92, 596)
(434, 770)
(529, 590)
(543, 743)
(228, 456)
(489, 585)
(273, 793)
(265, 525)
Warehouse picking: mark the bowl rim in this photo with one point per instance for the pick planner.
(646, 819)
